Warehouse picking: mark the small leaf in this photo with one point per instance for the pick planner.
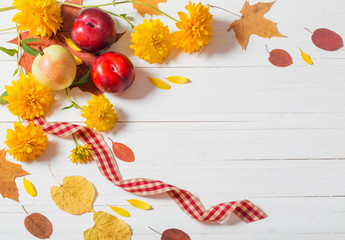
(121, 211)
(71, 44)
(29, 187)
(123, 152)
(326, 39)
(10, 52)
(2, 100)
(30, 50)
(280, 58)
(15, 72)
(85, 79)
(139, 204)
(29, 40)
(306, 57)
(159, 83)
(174, 233)
(177, 79)
(78, 61)
(38, 225)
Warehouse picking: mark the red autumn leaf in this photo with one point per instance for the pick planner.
(280, 58)
(174, 234)
(38, 225)
(123, 152)
(326, 39)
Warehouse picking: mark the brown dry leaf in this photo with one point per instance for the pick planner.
(8, 172)
(253, 22)
(174, 234)
(142, 10)
(38, 225)
(76, 195)
(108, 227)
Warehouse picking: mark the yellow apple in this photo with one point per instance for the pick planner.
(54, 67)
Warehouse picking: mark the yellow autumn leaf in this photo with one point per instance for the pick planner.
(29, 187)
(108, 227)
(306, 57)
(139, 204)
(78, 61)
(177, 79)
(159, 83)
(121, 211)
(143, 9)
(76, 195)
(71, 44)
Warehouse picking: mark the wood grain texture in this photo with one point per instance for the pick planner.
(241, 128)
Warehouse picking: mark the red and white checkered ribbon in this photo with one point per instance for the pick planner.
(244, 209)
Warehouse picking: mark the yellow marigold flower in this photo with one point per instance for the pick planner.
(27, 98)
(195, 30)
(152, 41)
(81, 154)
(26, 143)
(41, 17)
(99, 113)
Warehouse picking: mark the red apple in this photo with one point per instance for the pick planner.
(55, 69)
(112, 72)
(93, 30)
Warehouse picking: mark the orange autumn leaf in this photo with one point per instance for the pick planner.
(8, 172)
(253, 22)
(280, 58)
(123, 152)
(142, 9)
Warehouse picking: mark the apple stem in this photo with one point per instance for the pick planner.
(40, 50)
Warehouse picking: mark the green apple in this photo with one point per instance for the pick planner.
(54, 67)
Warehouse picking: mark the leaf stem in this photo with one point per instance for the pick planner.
(25, 210)
(212, 6)
(154, 230)
(308, 30)
(53, 174)
(6, 29)
(70, 100)
(75, 141)
(121, 16)
(19, 41)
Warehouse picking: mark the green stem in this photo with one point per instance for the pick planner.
(6, 29)
(82, 6)
(70, 100)
(19, 119)
(150, 6)
(7, 8)
(123, 17)
(75, 141)
(19, 41)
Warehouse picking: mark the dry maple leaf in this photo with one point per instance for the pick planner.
(76, 195)
(108, 227)
(8, 172)
(253, 22)
(142, 9)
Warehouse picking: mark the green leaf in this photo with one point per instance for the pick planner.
(85, 79)
(2, 100)
(29, 50)
(15, 72)
(10, 52)
(29, 40)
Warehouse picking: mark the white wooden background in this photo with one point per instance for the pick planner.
(241, 129)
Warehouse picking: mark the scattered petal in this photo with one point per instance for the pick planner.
(38, 225)
(306, 57)
(280, 58)
(159, 83)
(78, 61)
(71, 44)
(177, 79)
(29, 187)
(139, 204)
(326, 39)
(121, 211)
